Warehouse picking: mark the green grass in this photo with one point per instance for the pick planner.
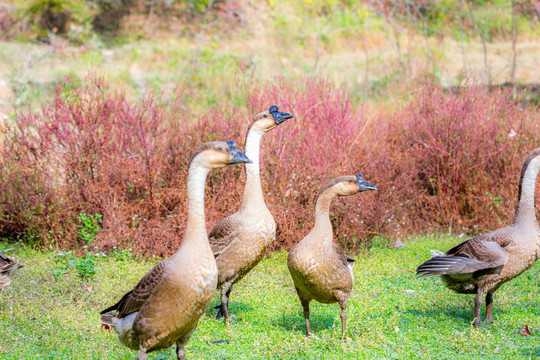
(391, 314)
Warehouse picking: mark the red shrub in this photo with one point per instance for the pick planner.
(444, 160)
(458, 155)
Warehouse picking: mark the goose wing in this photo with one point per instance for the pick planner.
(5, 263)
(8, 265)
(134, 299)
(223, 234)
(345, 259)
(466, 258)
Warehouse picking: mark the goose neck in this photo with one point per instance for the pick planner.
(196, 183)
(525, 212)
(253, 194)
(322, 213)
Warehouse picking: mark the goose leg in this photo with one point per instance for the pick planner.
(489, 308)
(224, 307)
(142, 355)
(477, 307)
(180, 343)
(343, 318)
(305, 305)
(180, 353)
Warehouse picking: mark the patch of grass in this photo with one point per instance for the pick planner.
(391, 313)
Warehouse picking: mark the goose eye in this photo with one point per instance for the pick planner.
(219, 148)
(265, 116)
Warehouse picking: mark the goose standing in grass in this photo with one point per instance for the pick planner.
(166, 304)
(8, 266)
(482, 264)
(319, 268)
(240, 240)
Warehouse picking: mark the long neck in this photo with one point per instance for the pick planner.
(323, 226)
(253, 194)
(525, 206)
(196, 182)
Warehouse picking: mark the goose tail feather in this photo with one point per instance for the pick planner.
(443, 265)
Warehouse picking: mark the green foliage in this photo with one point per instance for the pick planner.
(88, 227)
(197, 5)
(85, 266)
(121, 254)
(79, 12)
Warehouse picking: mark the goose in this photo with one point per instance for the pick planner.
(8, 266)
(240, 240)
(482, 264)
(166, 304)
(319, 268)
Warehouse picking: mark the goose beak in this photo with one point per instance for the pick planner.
(278, 116)
(236, 156)
(363, 185)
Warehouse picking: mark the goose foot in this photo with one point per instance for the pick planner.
(219, 314)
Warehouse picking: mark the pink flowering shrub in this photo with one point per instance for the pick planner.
(443, 161)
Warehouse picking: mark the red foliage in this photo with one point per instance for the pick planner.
(464, 151)
(443, 160)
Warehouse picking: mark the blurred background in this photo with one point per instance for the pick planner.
(374, 48)
(103, 102)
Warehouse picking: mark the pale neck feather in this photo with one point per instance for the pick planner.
(323, 227)
(253, 195)
(525, 212)
(196, 183)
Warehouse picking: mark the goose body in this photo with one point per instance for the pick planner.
(319, 268)
(166, 304)
(482, 264)
(8, 266)
(240, 240)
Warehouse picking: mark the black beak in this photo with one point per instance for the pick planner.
(235, 156)
(278, 116)
(363, 185)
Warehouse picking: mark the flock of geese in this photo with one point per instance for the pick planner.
(165, 306)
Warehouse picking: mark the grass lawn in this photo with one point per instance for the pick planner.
(391, 314)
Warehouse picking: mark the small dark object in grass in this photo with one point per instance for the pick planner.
(525, 331)
(218, 342)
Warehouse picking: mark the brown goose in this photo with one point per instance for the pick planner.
(482, 264)
(319, 268)
(240, 240)
(166, 304)
(8, 266)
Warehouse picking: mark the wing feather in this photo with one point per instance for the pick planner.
(466, 258)
(8, 265)
(223, 234)
(134, 299)
(345, 259)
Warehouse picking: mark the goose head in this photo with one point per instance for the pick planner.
(218, 154)
(352, 184)
(269, 119)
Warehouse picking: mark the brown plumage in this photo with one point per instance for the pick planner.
(166, 304)
(240, 240)
(8, 266)
(482, 264)
(319, 268)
